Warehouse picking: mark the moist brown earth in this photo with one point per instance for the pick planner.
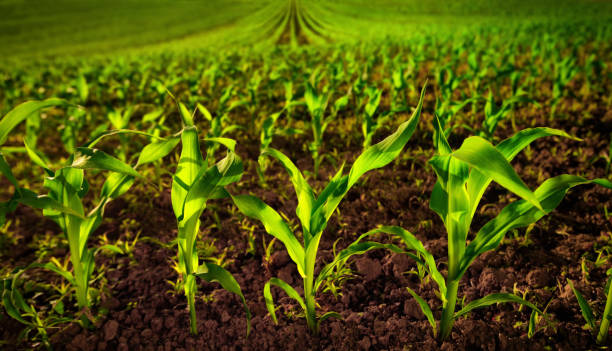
(145, 313)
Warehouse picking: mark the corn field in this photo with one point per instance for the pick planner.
(305, 175)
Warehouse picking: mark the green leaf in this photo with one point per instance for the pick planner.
(153, 115)
(227, 142)
(112, 248)
(186, 115)
(303, 190)
(198, 194)
(5, 169)
(521, 213)
(99, 137)
(425, 309)
(116, 185)
(373, 157)
(356, 248)
(23, 111)
(585, 309)
(220, 275)
(532, 324)
(384, 152)
(415, 244)
(82, 88)
(373, 101)
(480, 154)
(9, 306)
(328, 200)
(440, 141)
(44, 202)
(230, 167)
(438, 201)
(56, 269)
(478, 182)
(204, 111)
(187, 170)
(494, 299)
(314, 102)
(254, 208)
(86, 158)
(38, 159)
(341, 103)
(327, 315)
(59, 307)
(288, 290)
(157, 150)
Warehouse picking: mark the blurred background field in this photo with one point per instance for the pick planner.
(35, 28)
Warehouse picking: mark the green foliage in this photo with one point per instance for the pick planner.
(67, 188)
(35, 321)
(463, 176)
(587, 312)
(194, 183)
(247, 69)
(314, 213)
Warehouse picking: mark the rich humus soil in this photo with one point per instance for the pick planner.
(379, 314)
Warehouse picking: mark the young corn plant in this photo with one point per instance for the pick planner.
(565, 70)
(463, 176)
(268, 130)
(369, 124)
(314, 212)
(448, 82)
(219, 127)
(399, 84)
(194, 183)
(316, 102)
(120, 119)
(587, 312)
(36, 322)
(493, 114)
(67, 188)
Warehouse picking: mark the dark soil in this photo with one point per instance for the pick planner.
(144, 313)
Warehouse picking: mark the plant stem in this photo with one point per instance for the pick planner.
(448, 313)
(190, 293)
(79, 277)
(605, 321)
(317, 163)
(309, 299)
(81, 293)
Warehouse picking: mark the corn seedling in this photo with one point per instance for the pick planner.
(314, 212)
(565, 70)
(369, 124)
(35, 321)
(493, 114)
(316, 102)
(269, 129)
(399, 84)
(67, 187)
(219, 127)
(463, 176)
(120, 119)
(194, 183)
(448, 82)
(587, 312)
